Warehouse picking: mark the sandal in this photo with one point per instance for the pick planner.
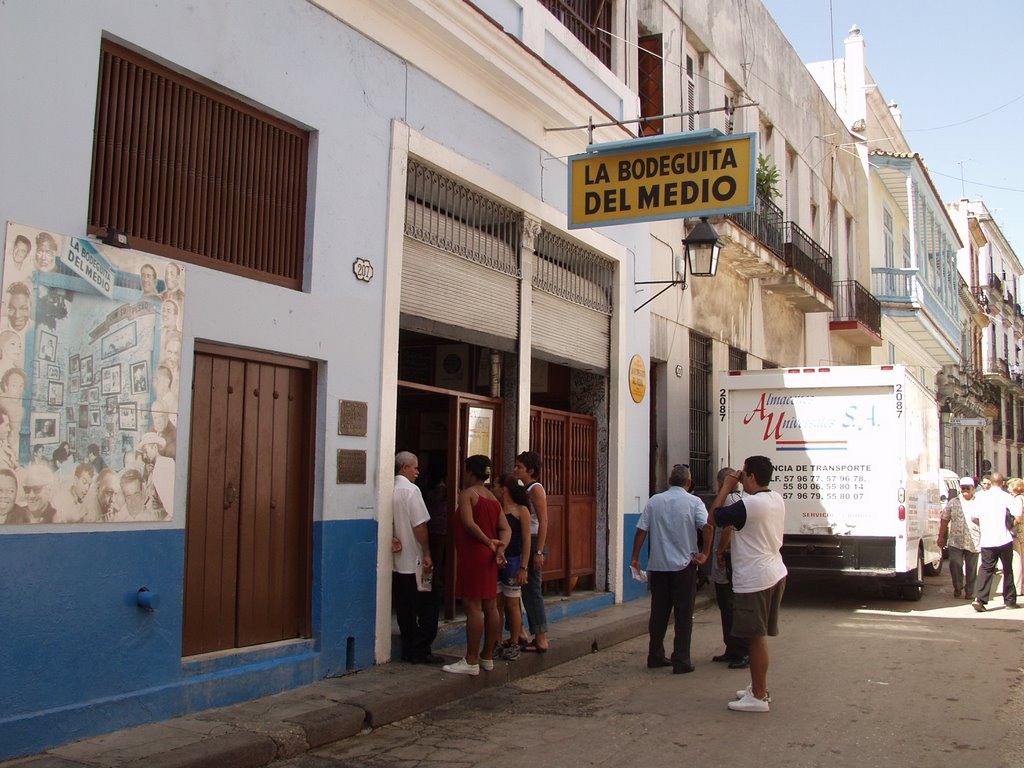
(532, 647)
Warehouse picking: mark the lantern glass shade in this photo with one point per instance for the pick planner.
(702, 249)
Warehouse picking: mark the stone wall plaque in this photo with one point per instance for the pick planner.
(352, 418)
(351, 466)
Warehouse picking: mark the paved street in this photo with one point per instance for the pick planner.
(856, 680)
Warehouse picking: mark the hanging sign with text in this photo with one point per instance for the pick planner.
(666, 177)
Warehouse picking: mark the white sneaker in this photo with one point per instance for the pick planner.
(462, 667)
(487, 664)
(749, 703)
(749, 691)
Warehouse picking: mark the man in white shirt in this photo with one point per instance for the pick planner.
(758, 573)
(989, 513)
(416, 610)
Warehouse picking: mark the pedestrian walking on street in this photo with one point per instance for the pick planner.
(759, 575)
(993, 515)
(481, 537)
(736, 653)
(961, 537)
(672, 519)
(1016, 488)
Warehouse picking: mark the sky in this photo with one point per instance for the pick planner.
(954, 69)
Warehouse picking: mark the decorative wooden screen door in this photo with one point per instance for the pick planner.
(248, 530)
(567, 444)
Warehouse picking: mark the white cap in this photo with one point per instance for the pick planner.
(966, 482)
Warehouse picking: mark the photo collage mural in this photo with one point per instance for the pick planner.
(90, 353)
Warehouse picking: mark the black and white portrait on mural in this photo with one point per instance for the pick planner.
(90, 355)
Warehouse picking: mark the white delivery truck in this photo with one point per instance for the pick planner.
(856, 455)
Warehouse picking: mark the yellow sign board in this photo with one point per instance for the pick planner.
(664, 177)
(637, 378)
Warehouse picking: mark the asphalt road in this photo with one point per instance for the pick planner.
(856, 680)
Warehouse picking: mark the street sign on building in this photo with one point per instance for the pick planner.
(968, 422)
(682, 175)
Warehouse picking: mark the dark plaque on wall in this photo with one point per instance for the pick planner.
(352, 418)
(351, 466)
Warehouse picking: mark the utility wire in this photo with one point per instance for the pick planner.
(968, 120)
(975, 183)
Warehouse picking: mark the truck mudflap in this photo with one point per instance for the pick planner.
(851, 555)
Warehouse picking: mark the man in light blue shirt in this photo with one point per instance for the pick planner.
(671, 519)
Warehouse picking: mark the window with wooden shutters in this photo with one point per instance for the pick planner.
(650, 66)
(190, 173)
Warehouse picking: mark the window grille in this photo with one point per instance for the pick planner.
(700, 411)
(190, 173)
(737, 359)
(573, 273)
(443, 213)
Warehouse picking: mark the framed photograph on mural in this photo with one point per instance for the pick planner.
(111, 409)
(47, 345)
(118, 341)
(140, 378)
(52, 371)
(83, 416)
(45, 428)
(87, 371)
(74, 365)
(55, 393)
(94, 417)
(73, 436)
(91, 395)
(75, 382)
(110, 379)
(128, 417)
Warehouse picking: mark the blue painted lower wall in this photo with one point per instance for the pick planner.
(632, 589)
(79, 657)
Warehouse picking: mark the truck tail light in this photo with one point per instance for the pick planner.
(902, 512)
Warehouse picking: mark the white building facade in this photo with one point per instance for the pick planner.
(368, 206)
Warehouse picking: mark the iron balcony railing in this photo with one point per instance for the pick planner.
(995, 282)
(588, 21)
(801, 253)
(764, 223)
(854, 302)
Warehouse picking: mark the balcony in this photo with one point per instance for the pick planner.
(760, 244)
(997, 371)
(910, 303)
(588, 21)
(857, 316)
(995, 283)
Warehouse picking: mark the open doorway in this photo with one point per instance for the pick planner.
(445, 413)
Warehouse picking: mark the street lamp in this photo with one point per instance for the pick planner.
(702, 249)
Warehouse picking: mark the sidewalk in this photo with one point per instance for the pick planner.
(258, 732)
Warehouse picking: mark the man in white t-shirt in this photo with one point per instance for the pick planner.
(989, 513)
(758, 573)
(416, 610)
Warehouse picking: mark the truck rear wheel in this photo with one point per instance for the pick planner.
(933, 569)
(913, 587)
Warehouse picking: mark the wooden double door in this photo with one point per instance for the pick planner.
(567, 444)
(248, 531)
